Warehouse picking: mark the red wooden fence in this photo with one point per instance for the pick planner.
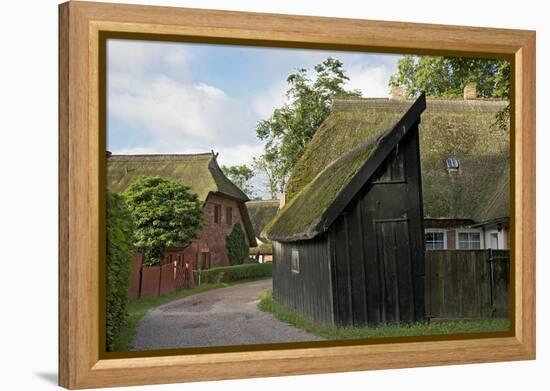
(153, 281)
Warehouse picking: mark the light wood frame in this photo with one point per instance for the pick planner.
(81, 364)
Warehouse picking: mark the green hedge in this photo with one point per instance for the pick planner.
(233, 273)
(119, 255)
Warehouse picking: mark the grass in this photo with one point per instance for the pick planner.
(294, 318)
(138, 309)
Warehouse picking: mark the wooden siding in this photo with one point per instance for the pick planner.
(308, 291)
(467, 284)
(377, 247)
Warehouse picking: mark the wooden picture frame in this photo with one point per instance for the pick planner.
(82, 364)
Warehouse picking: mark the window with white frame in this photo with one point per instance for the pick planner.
(468, 240)
(435, 240)
(295, 261)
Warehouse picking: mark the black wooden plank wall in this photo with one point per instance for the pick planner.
(377, 247)
(308, 291)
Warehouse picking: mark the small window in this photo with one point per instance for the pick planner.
(469, 240)
(394, 168)
(453, 165)
(229, 215)
(295, 261)
(217, 214)
(434, 240)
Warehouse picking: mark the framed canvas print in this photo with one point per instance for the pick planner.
(299, 194)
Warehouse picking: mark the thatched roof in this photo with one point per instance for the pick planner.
(320, 187)
(261, 212)
(200, 172)
(454, 129)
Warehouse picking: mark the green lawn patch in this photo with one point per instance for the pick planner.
(138, 309)
(294, 318)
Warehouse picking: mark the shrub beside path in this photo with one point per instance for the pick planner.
(220, 317)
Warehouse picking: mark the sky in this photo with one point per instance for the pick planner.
(191, 98)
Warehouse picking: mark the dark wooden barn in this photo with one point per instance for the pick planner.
(348, 245)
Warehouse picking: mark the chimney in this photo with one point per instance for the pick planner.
(470, 91)
(396, 93)
(282, 197)
(282, 200)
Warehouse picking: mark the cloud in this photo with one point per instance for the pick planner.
(372, 81)
(144, 95)
(264, 103)
(134, 57)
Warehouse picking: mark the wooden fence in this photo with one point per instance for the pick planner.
(467, 284)
(153, 281)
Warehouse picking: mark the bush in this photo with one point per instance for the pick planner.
(237, 248)
(119, 255)
(233, 273)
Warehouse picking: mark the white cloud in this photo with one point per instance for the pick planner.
(372, 81)
(132, 56)
(176, 112)
(264, 103)
(238, 154)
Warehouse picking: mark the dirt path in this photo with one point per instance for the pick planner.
(220, 317)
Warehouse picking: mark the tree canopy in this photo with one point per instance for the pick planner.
(445, 77)
(166, 214)
(241, 176)
(288, 130)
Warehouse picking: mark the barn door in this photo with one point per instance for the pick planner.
(393, 251)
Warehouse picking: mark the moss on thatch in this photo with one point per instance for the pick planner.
(300, 218)
(449, 129)
(496, 204)
(261, 212)
(200, 172)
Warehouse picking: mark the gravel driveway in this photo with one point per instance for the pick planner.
(226, 316)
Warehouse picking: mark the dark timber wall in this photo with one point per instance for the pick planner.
(308, 291)
(377, 246)
(462, 284)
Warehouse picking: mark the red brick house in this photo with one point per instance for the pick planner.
(224, 202)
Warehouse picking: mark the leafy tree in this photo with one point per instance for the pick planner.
(241, 176)
(288, 130)
(445, 77)
(165, 213)
(119, 254)
(275, 173)
(237, 248)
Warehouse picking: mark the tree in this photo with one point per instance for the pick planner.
(241, 176)
(119, 254)
(288, 130)
(445, 77)
(275, 174)
(166, 214)
(237, 248)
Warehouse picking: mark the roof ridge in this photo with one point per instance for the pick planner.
(354, 104)
(428, 99)
(159, 156)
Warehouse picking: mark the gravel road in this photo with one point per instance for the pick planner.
(221, 317)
